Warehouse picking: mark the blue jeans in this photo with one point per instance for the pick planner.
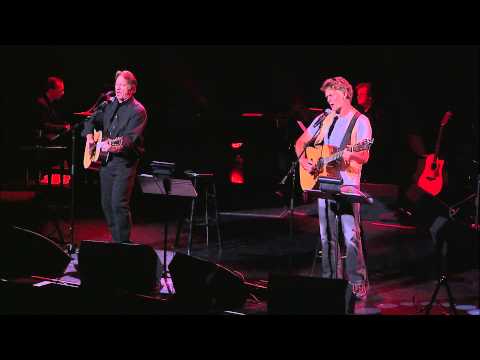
(349, 218)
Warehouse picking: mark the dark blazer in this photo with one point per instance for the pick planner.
(127, 120)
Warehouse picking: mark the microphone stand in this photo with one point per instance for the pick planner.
(477, 200)
(292, 172)
(71, 247)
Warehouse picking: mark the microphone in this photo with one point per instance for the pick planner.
(108, 98)
(322, 117)
(108, 95)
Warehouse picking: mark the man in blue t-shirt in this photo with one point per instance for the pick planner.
(331, 131)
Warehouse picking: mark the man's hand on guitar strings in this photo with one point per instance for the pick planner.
(306, 164)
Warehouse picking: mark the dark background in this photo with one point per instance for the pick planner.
(194, 96)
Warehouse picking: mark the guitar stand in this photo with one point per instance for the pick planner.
(451, 301)
(441, 281)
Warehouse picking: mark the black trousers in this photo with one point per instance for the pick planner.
(117, 179)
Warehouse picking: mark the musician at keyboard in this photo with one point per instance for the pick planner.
(42, 142)
(336, 128)
(50, 124)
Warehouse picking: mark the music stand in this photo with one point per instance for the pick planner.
(333, 189)
(162, 184)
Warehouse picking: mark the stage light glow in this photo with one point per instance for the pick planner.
(55, 181)
(236, 176)
(252, 115)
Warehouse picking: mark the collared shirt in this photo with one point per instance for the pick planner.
(126, 120)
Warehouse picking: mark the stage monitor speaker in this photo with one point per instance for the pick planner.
(294, 294)
(200, 282)
(24, 253)
(111, 266)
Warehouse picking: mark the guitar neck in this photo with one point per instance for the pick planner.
(334, 156)
(339, 154)
(437, 143)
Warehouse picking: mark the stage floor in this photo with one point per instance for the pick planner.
(257, 243)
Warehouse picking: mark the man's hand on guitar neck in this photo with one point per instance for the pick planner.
(112, 145)
(359, 156)
(116, 148)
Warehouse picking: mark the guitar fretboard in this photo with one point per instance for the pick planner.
(339, 154)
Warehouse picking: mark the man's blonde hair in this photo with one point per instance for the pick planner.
(338, 83)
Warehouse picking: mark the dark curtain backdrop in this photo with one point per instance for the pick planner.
(195, 94)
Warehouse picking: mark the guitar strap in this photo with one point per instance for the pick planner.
(348, 133)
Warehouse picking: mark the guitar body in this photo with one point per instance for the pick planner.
(94, 157)
(316, 155)
(92, 154)
(431, 179)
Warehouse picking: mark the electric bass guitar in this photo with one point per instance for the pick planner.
(431, 179)
(94, 156)
(324, 159)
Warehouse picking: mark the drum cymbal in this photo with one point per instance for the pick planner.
(84, 113)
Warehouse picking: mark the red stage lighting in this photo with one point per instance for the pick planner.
(236, 176)
(55, 181)
(252, 114)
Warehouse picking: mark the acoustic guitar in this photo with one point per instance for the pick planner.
(94, 156)
(431, 179)
(325, 163)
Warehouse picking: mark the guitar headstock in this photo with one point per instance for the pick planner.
(446, 117)
(365, 144)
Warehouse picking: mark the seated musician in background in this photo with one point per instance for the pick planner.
(380, 165)
(331, 131)
(50, 124)
(45, 132)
